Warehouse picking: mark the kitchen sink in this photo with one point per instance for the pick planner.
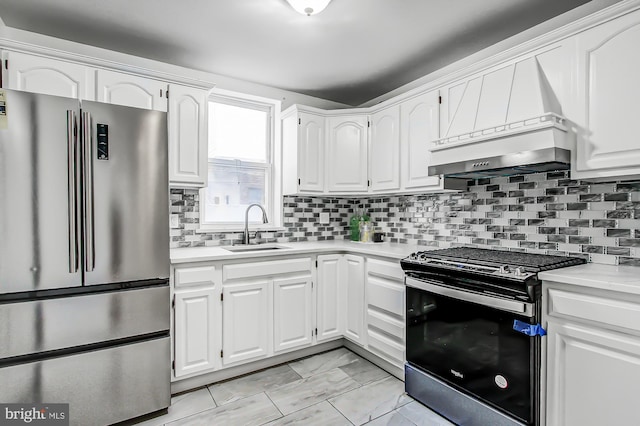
(256, 247)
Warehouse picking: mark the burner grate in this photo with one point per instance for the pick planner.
(530, 261)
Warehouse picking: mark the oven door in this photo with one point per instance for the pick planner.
(467, 340)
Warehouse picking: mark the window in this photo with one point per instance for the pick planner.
(242, 162)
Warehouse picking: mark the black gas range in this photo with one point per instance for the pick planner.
(473, 333)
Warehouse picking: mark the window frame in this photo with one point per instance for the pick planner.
(273, 190)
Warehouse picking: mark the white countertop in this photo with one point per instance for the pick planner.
(607, 277)
(388, 250)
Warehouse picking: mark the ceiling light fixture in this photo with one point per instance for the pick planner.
(309, 7)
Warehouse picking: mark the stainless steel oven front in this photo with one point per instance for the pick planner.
(467, 357)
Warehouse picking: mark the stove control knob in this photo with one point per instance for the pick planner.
(519, 271)
(504, 269)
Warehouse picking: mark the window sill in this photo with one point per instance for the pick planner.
(236, 228)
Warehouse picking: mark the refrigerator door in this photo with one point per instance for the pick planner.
(126, 194)
(39, 248)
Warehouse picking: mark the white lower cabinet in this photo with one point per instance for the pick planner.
(593, 376)
(385, 310)
(292, 313)
(354, 278)
(593, 356)
(267, 308)
(245, 321)
(330, 306)
(194, 330)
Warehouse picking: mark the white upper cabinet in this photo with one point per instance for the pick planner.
(47, 76)
(384, 149)
(187, 136)
(419, 123)
(311, 132)
(130, 90)
(347, 154)
(608, 66)
(303, 140)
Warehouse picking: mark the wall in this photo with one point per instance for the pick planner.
(539, 213)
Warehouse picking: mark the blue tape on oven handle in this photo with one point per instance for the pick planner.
(529, 329)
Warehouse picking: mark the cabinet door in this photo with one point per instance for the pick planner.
(194, 330)
(187, 136)
(347, 154)
(246, 321)
(384, 146)
(419, 121)
(330, 300)
(130, 90)
(36, 74)
(593, 376)
(354, 277)
(292, 313)
(608, 93)
(311, 152)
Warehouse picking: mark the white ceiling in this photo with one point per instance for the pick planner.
(352, 52)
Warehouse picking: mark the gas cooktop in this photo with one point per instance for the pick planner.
(497, 263)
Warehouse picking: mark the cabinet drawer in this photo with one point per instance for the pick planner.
(386, 295)
(265, 269)
(385, 269)
(607, 311)
(195, 275)
(385, 347)
(389, 325)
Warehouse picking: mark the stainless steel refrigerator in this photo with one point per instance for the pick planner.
(84, 257)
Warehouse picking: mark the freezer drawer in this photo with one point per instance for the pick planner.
(53, 324)
(101, 387)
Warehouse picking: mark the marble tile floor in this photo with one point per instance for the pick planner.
(333, 388)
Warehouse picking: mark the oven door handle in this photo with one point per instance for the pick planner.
(514, 306)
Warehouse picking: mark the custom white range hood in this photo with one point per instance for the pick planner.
(504, 122)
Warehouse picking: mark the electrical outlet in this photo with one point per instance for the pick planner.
(175, 221)
(324, 218)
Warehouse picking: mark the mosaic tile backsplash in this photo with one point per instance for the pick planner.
(301, 221)
(538, 213)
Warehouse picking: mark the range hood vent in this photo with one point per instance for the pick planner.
(505, 122)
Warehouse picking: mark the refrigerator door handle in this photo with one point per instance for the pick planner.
(72, 194)
(88, 229)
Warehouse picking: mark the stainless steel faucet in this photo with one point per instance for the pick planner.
(246, 238)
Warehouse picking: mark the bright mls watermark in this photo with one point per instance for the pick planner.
(34, 414)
